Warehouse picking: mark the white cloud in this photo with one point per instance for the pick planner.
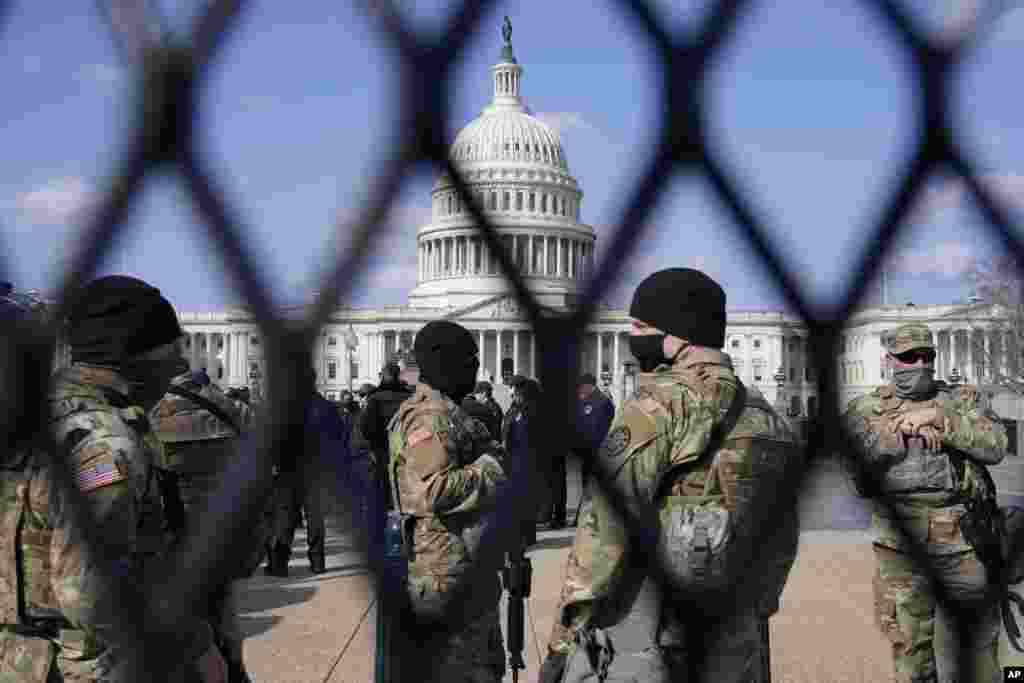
(103, 75)
(1007, 188)
(941, 258)
(562, 121)
(60, 201)
(1010, 27)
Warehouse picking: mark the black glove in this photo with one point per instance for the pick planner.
(553, 668)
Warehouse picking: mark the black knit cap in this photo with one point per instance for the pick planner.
(115, 317)
(443, 350)
(683, 302)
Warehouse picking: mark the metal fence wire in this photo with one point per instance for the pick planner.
(169, 72)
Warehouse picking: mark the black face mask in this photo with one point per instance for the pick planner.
(914, 383)
(648, 349)
(150, 379)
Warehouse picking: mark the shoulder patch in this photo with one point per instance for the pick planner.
(95, 475)
(616, 442)
(418, 436)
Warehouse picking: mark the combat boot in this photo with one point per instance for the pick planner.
(317, 564)
(277, 562)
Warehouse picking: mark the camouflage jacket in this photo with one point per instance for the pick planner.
(923, 488)
(195, 440)
(445, 471)
(656, 451)
(58, 583)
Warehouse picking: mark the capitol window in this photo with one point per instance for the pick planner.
(543, 203)
(493, 206)
(332, 369)
(757, 343)
(505, 200)
(735, 343)
(332, 341)
(255, 341)
(758, 370)
(533, 201)
(519, 201)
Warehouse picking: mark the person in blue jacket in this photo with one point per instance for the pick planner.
(594, 414)
(521, 442)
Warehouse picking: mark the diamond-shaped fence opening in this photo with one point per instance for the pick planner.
(170, 70)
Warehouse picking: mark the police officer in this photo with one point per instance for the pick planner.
(690, 452)
(123, 337)
(926, 444)
(523, 443)
(445, 471)
(594, 413)
(199, 426)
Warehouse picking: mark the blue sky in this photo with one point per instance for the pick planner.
(810, 106)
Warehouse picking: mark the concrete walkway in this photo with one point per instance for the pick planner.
(321, 629)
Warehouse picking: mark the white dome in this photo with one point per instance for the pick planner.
(509, 136)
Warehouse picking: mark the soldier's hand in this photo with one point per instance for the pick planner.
(211, 666)
(912, 422)
(932, 437)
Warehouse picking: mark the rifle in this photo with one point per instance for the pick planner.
(517, 576)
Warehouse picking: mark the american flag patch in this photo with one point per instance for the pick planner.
(92, 477)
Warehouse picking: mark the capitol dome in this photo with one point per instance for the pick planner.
(518, 173)
(509, 136)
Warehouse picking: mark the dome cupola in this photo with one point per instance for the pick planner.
(517, 171)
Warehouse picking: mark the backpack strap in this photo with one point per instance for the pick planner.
(206, 404)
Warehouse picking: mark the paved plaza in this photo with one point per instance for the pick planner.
(320, 629)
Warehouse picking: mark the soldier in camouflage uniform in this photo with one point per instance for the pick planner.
(445, 471)
(925, 442)
(54, 591)
(695, 453)
(199, 427)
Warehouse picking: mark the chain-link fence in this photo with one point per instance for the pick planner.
(170, 70)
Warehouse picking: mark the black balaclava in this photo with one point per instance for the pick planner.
(915, 384)
(446, 354)
(648, 349)
(682, 302)
(115, 318)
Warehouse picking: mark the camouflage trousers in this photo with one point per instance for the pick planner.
(906, 612)
(26, 659)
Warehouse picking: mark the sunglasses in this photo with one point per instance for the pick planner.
(913, 355)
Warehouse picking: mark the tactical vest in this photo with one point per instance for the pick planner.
(26, 591)
(713, 503)
(921, 471)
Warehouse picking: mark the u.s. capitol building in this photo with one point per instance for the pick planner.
(518, 172)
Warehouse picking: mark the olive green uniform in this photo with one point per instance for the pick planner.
(656, 453)
(53, 620)
(198, 446)
(446, 469)
(927, 491)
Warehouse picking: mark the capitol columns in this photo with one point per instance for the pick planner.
(616, 365)
(515, 351)
(600, 356)
(482, 372)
